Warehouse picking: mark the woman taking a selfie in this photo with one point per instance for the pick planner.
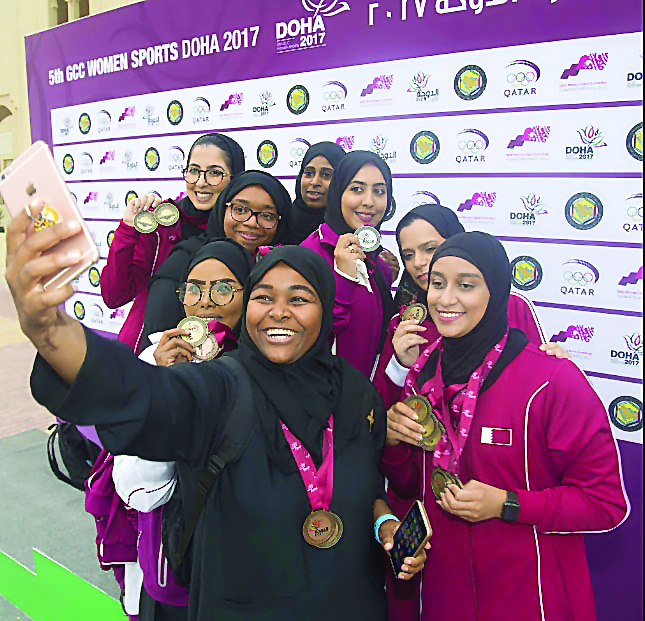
(261, 549)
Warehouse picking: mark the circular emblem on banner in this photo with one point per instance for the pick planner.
(129, 196)
(298, 99)
(584, 211)
(626, 413)
(175, 112)
(84, 123)
(152, 159)
(635, 142)
(94, 276)
(526, 273)
(68, 164)
(470, 82)
(267, 154)
(79, 310)
(110, 238)
(425, 147)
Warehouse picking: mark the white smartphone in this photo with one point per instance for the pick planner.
(34, 176)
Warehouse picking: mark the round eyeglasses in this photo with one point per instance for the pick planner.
(241, 213)
(212, 176)
(221, 293)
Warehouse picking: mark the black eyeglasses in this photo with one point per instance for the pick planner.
(220, 292)
(242, 213)
(212, 176)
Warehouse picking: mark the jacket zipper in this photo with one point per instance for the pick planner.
(472, 571)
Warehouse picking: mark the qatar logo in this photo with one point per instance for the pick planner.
(104, 122)
(425, 147)
(68, 164)
(380, 83)
(576, 333)
(201, 110)
(472, 144)
(470, 82)
(538, 133)
(533, 207)
(626, 413)
(634, 213)
(521, 77)
(635, 142)
(419, 86)
(266, 103)
(176, 157)
(128, 113)
(79, 310)
(379, 147)
(235, 99)
(590, 62)
(84, 123)
(630, 355)
(267, 154)
(299, 147)
(633, 278)
(346, 142)
(526, 273)
(96, 314)
(298, 99)
(87, 163)
(479, 199)
(108, 157)
(584, 211)
(424, 197)
(152, 159)
(175, 112)
(334, 94)
(150, 117)
(74, 197)
(580, 277)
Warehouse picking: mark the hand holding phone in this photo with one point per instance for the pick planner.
(410, 539)
(33, 176)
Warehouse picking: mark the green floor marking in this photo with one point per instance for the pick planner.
(54, 593)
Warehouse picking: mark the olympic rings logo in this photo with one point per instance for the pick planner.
(200, 109)
(334, 95)
(298, 151)
(176, 156)
(521, 78)
(635, 213)
(579, 278)
(474, 146)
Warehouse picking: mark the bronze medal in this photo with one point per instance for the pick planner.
(415, 311)
(322, 529)
(440, 481)
(369, 238)
(166, 214)
(145, 222)
(208, 350)
(421, 407)
(197, 330)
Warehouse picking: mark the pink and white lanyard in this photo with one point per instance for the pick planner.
(319, 483)
(449, 449)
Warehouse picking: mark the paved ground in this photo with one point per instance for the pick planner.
(36, 510)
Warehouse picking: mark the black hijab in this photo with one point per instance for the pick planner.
(233, 153)
(231, 254)
(343, 175)
(305, 393)
(267, 182)
(462, 356)
(307, 219)
(447, 224)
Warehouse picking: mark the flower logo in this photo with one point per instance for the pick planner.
(634, 343)
(419, 83)
(592, 136)
(534, 204)
(322, 8)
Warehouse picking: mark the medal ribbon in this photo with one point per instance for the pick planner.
(221, 332)
(451, 445)
(319, 483)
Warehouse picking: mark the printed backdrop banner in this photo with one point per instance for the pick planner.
(524, 116)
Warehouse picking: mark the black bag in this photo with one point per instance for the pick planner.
(78, 454)
(177, 524)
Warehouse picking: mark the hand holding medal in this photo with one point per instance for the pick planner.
(408, 339)
(348, 250)
(173, 348)
(197, 333)
(142, 204)
(473, 502)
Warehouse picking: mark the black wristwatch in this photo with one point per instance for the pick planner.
(511, 508)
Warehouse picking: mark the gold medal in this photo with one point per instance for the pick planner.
(166, 214)
(322, 529)
(208, 350)
(441, 479)
(369, 238)
(415, 311)
(145, 222)
(197, 330)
